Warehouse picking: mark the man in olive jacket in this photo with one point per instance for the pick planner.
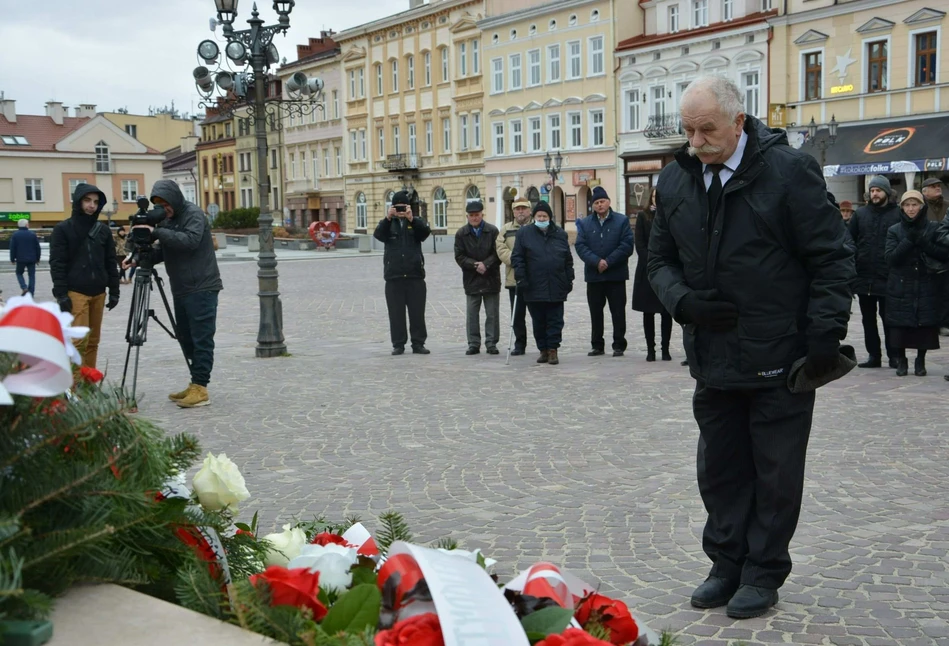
(747, 251)
(476, 253)
(505, 246)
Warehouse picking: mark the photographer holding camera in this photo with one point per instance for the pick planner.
(82, 265)
(402, 233)
(185, 246)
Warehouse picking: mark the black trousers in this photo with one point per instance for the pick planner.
(750, 465)
(402, 294)
(649, 330)
(598, 295)
(519, 320)
(871, 335)
(547, 320)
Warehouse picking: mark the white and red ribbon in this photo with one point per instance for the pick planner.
(362, 540)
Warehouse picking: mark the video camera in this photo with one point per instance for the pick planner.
(142, 238)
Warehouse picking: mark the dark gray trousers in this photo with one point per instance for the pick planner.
(492, 321)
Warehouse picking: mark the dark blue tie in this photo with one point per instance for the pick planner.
(714, 194)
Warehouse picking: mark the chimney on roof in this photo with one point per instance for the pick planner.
(188, 143)
(416, 3)
(54, 110)
(86, 110)
(8, 109)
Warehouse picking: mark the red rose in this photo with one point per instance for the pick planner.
(570, 637)
(244, 531)
(325, 538)
(90, 375)
(612, 614)
(420, 630)
(297, 587)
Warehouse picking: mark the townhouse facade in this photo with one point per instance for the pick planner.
(181, 167)
(247, 175)
(878, 69)
(216, 152)
(161, 131)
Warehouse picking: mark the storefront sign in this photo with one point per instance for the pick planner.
(777, 113)
(571, 204)
(643, 165)
(581, 177)
(13, 216)
(841, 89)
(889, 140)
(935, 164)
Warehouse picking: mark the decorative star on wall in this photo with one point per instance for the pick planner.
(843, 62)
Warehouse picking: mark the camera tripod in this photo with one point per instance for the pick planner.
(139, 313)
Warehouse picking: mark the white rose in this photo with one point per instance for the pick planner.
(471, 556)
(219, 484)
(284, 546)
(333, 562)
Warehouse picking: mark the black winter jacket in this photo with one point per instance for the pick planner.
(81, 254)
(612, 241)
(403, 247)
(543, 264)
(868, 227)
(470, 250)
(779, 255)
(912, 290)
(644, 296)
(25, 246)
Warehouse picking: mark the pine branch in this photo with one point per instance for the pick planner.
(394, 528)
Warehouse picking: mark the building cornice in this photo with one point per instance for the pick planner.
(754, 22)
(533, 12)
(400, 18)
(830, 12)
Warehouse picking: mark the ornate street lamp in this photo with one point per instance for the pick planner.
(552, 165)
(825, 141)
(244, 89)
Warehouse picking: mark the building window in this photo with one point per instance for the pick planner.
(572, 21)
(673, 19)
(499, 138)
(813, 75)
(472, 194)
(533, 67)
(339, 161)
(925, 61)
(276, 198)
(553, 129)
(428, 68)
(396, 140)
(594, 15)
(533, 125)
(412, 140)
(410, 63)
(73, 183)
(353, 150)
(515, 71)
(316, 166)
(293, 166)
(475, 57)
(379, 88)
(699, 13)
(395, 75)
(444, 64)
(752, 89)
(632, 110)
(361, 75)
(103, 160)
(596, 56)
(553, 63)
(362, 145)
(659, 101)
(429, 138)
(476, 129)
(463, 58)
(362, 211)
(241, 165)
(336, 104)
(352, 84)
(517, 136)
(766, 5)
(877, 66)
(34, 190)
(227, 129)
(326, 162)
(574, 124)
(573, 64)
(446, 135)
(552, 25)
(273, 160)
(440, 202)
(597, 127)
(247, 198)
(728, 10)
(497, 75)
(132, 130)
(381, 142)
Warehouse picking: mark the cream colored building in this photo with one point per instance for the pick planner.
(879, 68)
(216, 157)
(160, 131)
(413, 112)
(246, 174)
(44, 157)
(550, 88)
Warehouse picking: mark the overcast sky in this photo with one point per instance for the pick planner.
(135, 54)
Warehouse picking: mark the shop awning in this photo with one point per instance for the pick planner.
(910, 146)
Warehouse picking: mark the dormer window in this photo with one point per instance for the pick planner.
(14, 140)
(103, 160)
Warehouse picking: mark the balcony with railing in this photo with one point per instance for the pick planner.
(402, 162)
(665, 129)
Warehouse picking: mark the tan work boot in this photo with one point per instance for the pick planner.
(197, 396)
(552, 357)
(179, 396)
(543, 357)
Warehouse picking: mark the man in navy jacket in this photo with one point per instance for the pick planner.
(25, 253)
(604, 244)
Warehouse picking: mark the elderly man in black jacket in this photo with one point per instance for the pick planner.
(747, 251)
(476, 253)
(402, 233)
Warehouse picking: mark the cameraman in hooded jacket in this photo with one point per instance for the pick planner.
(185, 246)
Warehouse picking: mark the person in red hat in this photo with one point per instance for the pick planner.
(846, 210)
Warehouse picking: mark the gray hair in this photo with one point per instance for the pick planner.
(725, 91)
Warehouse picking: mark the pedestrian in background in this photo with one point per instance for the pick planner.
(477, 255)
(644, 297)
(935, 202)
(505, 246)
(543, 268)
(25, 252)
(912, 296)
(846, 210)
(604, 244)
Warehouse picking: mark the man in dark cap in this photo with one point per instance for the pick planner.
(846, 210)
(932, 191)
(476, 254)
(402, 232)
(604, 244)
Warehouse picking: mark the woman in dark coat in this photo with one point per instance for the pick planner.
(912, 289)
(543, 269)
(644, 298)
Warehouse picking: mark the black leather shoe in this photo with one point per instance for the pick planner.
(666, 356)
(516, 352)
(872, 362)
(903, 368)
(421, 350)
(396, 351)
(493, 351)
(920, 367)
(894, 362)
(715, 592)
(471, 351)
(651, 355)
(751, 601)
(594, 352)
(618, 353)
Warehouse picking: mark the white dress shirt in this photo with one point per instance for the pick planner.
(731, 164)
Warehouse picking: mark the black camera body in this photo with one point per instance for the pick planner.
(142, 238)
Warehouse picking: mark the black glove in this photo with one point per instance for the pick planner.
(113, 301)
(914, 234)
(823, 355)
(65, 304)
(704, 308)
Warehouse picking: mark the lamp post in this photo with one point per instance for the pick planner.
(115, 209)
(552, 165)
(248, 90)
(825, 141)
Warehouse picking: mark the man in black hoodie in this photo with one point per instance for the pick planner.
(83, 266)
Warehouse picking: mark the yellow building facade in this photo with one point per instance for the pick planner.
(216, 154)
(878, 69)
(160, 131)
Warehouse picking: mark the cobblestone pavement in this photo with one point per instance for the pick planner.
(590, 464)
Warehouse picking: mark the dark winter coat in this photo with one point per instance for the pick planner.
(543, 264)
(778, 255)
(185, 244)
(611, 241)
(24, 246)
(937, 209)
(912, 289)
(470, 250)
(868, 227)
(942, 238)
(644, 296)
(82, 253)
(403, 247)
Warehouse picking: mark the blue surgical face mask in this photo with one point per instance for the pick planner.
(542, 224)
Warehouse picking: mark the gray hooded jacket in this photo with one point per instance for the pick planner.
(185, 244)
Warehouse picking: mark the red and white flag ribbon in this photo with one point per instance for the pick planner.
(359, 536)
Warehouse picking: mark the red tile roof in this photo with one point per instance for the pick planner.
(42, 132)
(657, 39)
